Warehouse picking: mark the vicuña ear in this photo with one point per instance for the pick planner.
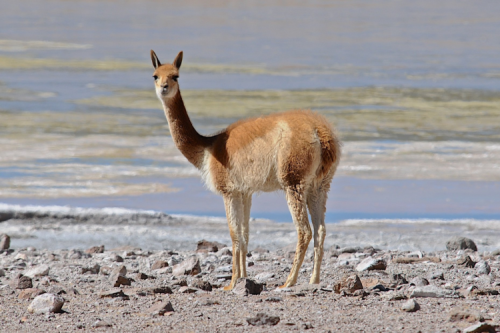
(155, 60)
(178, 60)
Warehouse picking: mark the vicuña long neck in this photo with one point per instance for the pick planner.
(191, 144)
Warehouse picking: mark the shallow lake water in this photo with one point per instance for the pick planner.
(412, 87)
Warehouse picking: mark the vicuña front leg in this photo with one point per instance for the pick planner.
(297, 206)
(235, 219)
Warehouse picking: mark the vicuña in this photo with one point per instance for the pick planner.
(295, 151)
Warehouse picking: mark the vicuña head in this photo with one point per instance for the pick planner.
(295, 151)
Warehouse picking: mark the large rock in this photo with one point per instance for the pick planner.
(371, 264)
(263, 319)
(433, 291)
(348, 284)
(460, 243)
(41, 270)
(190, 266)
(4, 241)
(46, 303)
(246, 286)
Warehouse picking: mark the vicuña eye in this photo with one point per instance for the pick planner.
(155, 77)
(175, 78)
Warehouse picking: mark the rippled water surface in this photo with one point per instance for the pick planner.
(413, 89)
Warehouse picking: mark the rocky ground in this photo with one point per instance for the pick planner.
(361, 289)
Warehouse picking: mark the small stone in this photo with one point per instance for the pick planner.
(480, 328)
(264, 276)
(274, 299)
(164, 270)
(46, 303)
(22, 282)
(92, 270)
(159, 264)
(419, 281)
(161, 308)
(112, 293)
(482, 267)
(246, 286)
(263, 319)
(200, 284)
(433, 291)
(399, 279)
(188, 290)
(2, 272)
(437, 276)
(206, 246)
(41, 270)
(371, 264)
(4, 241)
(142, 276)
(116, 258)
(348, 284)
(460, 243)
(118, 280)
(101, 323)
(75, 254)
(466, 315)
(190, 266)
(30, 293)
(410, 306)
(120, 270)
(95, 249)
(466, 261)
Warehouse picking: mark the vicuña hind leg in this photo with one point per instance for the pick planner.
(235, 219)
(247, 204)
(297, 205)
(316, 202)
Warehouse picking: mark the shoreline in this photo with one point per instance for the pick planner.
(60, 227)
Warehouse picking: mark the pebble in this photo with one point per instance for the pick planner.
(482, 267)
(467, 315)
(46, 303)
(419, 281)
(432, 291)
(161, 308)
(262, 319)
(22, 282)
(190, 266)
(30, 293)
(246, 286)
(348, 284)
(371, 264)
(95, 249)
(410, 306)
(159, 264)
